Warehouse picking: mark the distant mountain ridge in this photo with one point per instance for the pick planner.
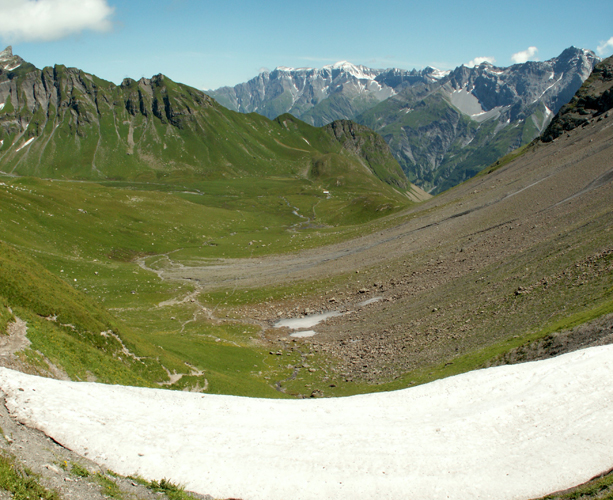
(442, 126)
(343, 90)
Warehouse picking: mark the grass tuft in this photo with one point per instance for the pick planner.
(22, 482)
(78, 470)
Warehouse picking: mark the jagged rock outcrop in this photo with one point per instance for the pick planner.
(371, 148)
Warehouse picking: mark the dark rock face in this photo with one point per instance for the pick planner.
(594, 98)
(362, 142)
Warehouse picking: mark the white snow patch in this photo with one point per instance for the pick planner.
(552, 85)
(370, 301)
(438, 74)
(376, 84)
(511, 432)
(2, 105)
(14, 67)
(303, 334)
(360, 72)
(24, 144)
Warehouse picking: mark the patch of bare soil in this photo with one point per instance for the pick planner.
(16, 339)
(15, 342)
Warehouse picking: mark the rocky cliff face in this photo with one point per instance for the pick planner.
(8, 61)
(65, 116)
(593, 99)
(444, 132)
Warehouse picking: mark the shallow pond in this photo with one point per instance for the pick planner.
(306, 321)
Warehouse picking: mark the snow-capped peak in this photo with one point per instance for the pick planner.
(344, 65)
(284, 69)
(360, 72)
(435, 73)
(6, 54)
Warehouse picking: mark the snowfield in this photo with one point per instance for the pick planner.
(511, 432)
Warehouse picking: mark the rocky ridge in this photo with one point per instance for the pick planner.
(445, 132)
(319, 96)
(593, 99)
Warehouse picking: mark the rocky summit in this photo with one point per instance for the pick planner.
(594, 98)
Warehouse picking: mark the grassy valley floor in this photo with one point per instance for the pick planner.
(197, 276)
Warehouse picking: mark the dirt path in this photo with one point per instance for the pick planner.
(16, 339)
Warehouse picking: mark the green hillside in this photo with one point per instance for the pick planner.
(97, 179)
(66, 124)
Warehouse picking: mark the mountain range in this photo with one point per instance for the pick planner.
(320, 96)
(62, 122)
(442, 126)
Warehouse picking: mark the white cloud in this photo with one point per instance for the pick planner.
(46, 20)
(524, 55)
(478, 60)
(605, 47)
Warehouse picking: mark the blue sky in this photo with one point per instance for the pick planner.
(208, 44)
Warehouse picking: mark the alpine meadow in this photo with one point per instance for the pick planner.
(322, 283)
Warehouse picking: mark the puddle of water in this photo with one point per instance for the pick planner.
(370, 301)
(303, 334)
(306, 321)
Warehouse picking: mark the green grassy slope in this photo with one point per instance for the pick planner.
(79, 241)
(66, 327)
(63, 123)
(71, 328)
